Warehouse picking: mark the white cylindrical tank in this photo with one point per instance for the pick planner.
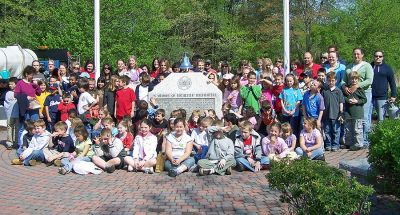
(15, 59)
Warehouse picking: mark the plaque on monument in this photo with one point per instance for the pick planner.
(189, 91)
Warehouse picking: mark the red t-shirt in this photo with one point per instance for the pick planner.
(64, 108)
(127, 141)
(276, 90)
(124, 98)
(247, 147)
(314, 70)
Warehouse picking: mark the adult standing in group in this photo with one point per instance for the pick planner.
(89, 68)
(365, 71)
(336, 67)
(25, 92)
(309, 65)
(38, 76)
(383, 76)
(134, 71)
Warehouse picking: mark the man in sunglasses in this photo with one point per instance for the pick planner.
(383, 78)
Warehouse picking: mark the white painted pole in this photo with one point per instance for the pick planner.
(286, 36)
(97, 38)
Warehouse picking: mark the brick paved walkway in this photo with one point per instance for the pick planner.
(41, 190)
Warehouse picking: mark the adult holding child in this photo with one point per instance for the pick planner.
(366, 75)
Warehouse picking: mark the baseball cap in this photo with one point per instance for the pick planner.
(53, 86)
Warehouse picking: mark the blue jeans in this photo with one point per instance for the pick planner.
(380, 108)
(68, 165)
(367, 116)
(35, 155)
(189, 162)
(202, 155)
(32, 115)
(264, 161)
(332, 133)
(314, 154)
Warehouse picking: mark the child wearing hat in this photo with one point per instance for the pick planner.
(51, 105)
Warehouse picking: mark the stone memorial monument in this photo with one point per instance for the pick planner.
(189, 91)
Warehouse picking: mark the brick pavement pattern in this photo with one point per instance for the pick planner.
(41, 190)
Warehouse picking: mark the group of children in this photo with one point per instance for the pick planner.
(112, 128)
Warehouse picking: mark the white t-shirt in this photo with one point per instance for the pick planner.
(85, 99)
(144, 93)
(199, 137)
(178, 145)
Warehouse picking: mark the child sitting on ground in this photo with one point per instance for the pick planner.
(125, 135)
(61, 146)
(109, 152)
(288, 136)
(248, 153)
(273, 146)
(310, 141)
(144, 150)
(26, 138)
(34, 153)
(220, 156)
(200, 138)
(83, 150)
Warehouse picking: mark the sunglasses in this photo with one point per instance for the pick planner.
(378, 56)
(324, 57)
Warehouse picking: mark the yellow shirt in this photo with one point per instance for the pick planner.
(41, 99)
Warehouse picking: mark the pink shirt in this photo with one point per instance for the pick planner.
(29, 89)
(279, 148)
(266, 95)
(235, 99)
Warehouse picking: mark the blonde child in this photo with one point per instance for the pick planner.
(144, 150)
(273, 146)
(108, 122)
(83, 150)
(61, 146)
(234, 96)
(34, 152)
(310, 141)
(200, 138)
(125, 135)
(290, 100)
(109, 152)
(288, 136)
(103, 113)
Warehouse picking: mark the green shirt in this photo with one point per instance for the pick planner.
(251, 97)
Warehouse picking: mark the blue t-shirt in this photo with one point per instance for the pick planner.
(340, 72)
(52, 102)
(313, 104)
(290, 97)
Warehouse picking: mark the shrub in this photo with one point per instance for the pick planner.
(384, 156)
(311, 187)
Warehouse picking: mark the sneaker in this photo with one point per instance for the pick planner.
(49, 163)
(57, 162)
(228, 171)
(130, 168)
(203, 171)
(16, 161)
(355, 148)
(110, 169)
(320, 158)
(173, 172)
(334, 149)
(62, 171)
(239, 167)
(9, 145)
(344, 146)
(194, 168)
(328, 149)
(33, 162)
(149, 170)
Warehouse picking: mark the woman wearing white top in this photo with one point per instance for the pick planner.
(178, 149)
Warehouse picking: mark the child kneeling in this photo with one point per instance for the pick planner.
(109, 152)
(220, 156)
